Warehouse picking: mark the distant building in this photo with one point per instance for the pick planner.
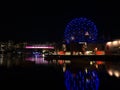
(113, 47)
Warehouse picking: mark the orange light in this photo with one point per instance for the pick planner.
(99, 62)
(100, 52)
(60, 61)
(61, 53)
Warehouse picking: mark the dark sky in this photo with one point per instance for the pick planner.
(47, 22)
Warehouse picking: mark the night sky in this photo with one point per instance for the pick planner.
(47, 23)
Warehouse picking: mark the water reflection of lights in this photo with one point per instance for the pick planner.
(97, 63)
(117, 73)
(114, 73)
(113, 69)
(61, 62)
(82, 80)
(64, 67)
(36, 53)
(10, 60)
(110, 72)
(37, 58)
(1, 58)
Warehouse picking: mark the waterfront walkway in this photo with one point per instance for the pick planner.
(86, 57)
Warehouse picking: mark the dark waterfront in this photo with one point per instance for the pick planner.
(82, 39)
(30, 71)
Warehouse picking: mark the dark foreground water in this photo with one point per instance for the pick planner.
(33, 72)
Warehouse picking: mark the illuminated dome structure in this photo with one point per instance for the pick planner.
(80, 30)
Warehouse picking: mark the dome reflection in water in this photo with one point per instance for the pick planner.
(82, 80)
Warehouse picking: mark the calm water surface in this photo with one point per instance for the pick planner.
(32, 71)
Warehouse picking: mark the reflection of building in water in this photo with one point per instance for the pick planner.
(2, 48)
(82, 80)
(81, 75)
(37, 59)
(1, 58)
(10, 60)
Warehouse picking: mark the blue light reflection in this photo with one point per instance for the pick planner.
(81, 80)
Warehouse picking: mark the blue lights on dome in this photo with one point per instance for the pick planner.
(80, 30)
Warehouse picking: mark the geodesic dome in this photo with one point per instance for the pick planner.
(81, 30)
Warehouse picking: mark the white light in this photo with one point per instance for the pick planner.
(115, 43)
(86, 70)
(109, 43)
(96, 66)
(87, 52)
(119, 42)
(67, 61)
(110, 72)
(72, 38)
(116, 73)
(91, 63)
(43, 55)
(86, 34)
(67, 53)
(64, 68)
